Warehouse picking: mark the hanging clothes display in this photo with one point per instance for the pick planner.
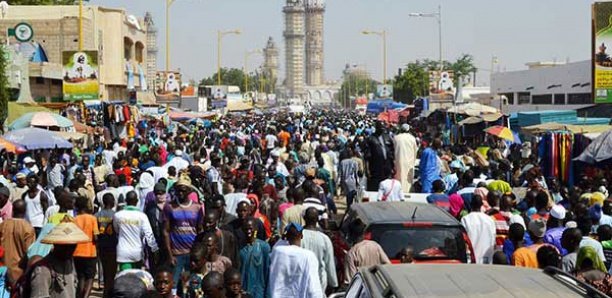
(556, 152)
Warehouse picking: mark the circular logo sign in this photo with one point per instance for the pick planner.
(23, 32)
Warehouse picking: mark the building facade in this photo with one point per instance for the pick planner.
(315, 11)
(119, 39)
(544, 86)
(294, 48)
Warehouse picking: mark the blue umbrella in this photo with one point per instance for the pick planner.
(35, 138)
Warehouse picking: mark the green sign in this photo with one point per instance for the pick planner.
(602, 62)
(23, 32)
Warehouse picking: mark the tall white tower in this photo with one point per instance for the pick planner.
(271, 63)
(151, 67)
(294, 48)
(315, 10)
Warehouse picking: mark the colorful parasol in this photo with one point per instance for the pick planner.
(501, 132)
(42, 119)
(10, 146)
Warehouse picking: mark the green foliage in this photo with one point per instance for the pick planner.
(414, 81)
(4, 87)
(355, 85)
(43, 2)
(231, 77)
(463, 68)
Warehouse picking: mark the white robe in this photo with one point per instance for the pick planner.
(405, 156)
(294, 273)
(481, 231)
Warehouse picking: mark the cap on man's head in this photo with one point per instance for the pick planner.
(537, 227)
(28, 160)
(298, 227)
(20, 176)
(558, 212)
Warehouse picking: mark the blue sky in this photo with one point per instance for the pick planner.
(516, 31)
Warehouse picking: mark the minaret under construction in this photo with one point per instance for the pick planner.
(294, 48)
(270, 65)
(315, 10)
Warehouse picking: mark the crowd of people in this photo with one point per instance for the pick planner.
(241, 207)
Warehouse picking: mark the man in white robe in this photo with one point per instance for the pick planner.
(294, 271)
(405, 157)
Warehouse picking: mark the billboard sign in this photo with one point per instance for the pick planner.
(384, 91)
(80, 80)
(219, 96)
(601, 47)
(168, 85)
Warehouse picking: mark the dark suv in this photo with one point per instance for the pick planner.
(435, 235)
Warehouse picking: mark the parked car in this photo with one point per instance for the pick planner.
(435, 235)
(437, 280)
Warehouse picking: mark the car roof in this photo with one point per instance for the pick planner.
(464, 280)
(401, 212)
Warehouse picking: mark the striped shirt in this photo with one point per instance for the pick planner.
(184, 222)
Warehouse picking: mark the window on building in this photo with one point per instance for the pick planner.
(510, 97)
(40, 81)
(579, 98)
(128, 44)
(559, 99)
(541, 99)
(139, 52)
(524, 98)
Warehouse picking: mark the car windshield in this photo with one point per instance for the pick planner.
(428, 243)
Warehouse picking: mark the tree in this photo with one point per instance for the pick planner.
(414, 81)
(463, 68)
(230, 77)
(355, 84)
(4, 87)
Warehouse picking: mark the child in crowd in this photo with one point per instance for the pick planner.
(233, 284)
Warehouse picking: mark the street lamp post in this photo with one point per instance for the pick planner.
(80, 25)
(382, 34)
(168, 4)
(220, 35)
(247, 54)
(438, 17)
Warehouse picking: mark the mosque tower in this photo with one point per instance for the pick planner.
(270, 65)
(315, 10)
(294, 48)
(151, 67)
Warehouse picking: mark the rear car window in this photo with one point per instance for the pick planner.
(428, 243)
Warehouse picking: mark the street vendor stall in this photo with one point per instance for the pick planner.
(559, 145)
